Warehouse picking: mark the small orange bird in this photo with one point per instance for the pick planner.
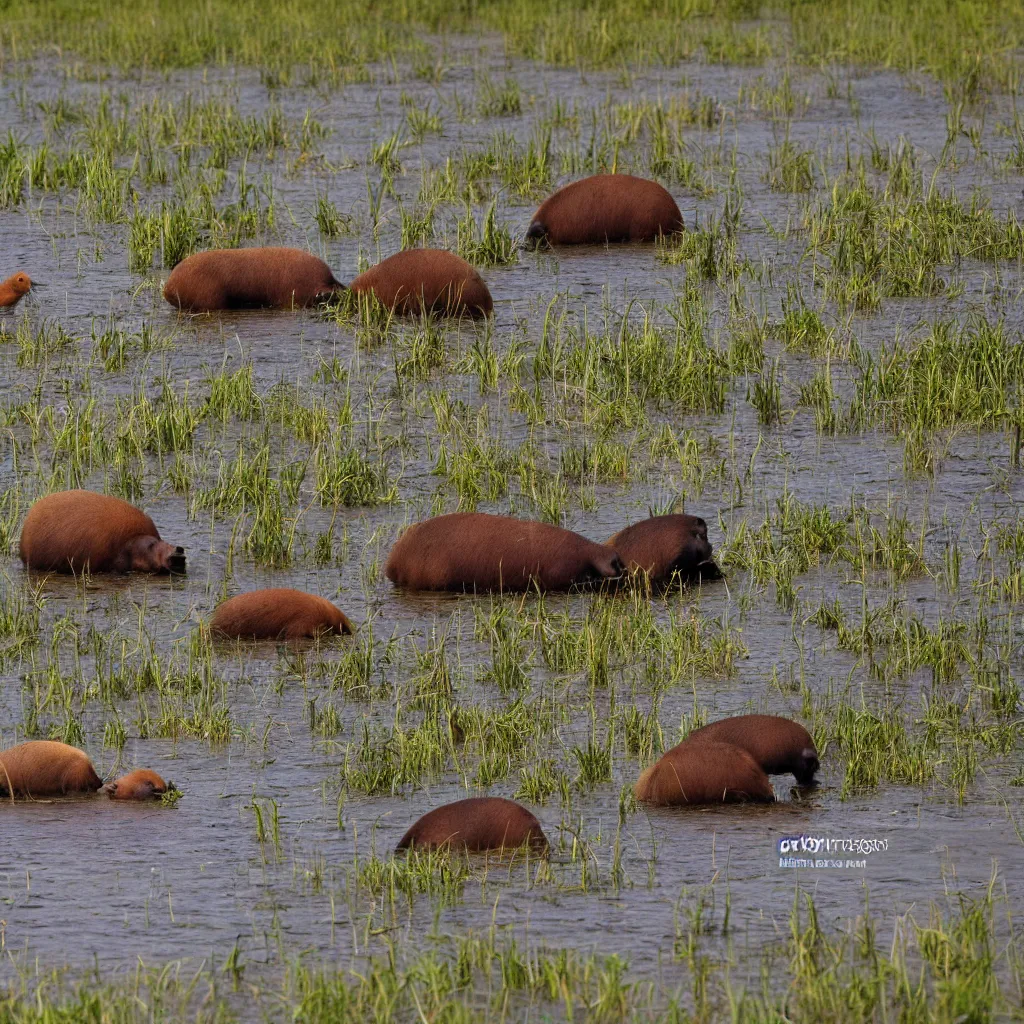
(14, 288)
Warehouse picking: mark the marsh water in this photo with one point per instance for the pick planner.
(86, 882)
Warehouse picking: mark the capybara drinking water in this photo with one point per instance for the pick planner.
(278, 614)
(141, 784)
(249, 279)
(663, 545)
(778, 745)
(606, 208)
(477, 551)
(477, 824)
(46, 768)
(14, 289)
(708, 772)
(74, 531)
(426, 280)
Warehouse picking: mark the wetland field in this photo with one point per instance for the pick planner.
(826, 366)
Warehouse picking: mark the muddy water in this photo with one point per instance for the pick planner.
(84, 882)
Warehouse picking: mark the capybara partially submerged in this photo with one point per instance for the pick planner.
(708, 772)
(278, 614)
(477, 551)
(269, 277)
(778, 745)
(426, 280)
(75, 531)
(46, 768)
(14, 289)
(663, 545)
(141, 784)
(606, 208)
(477, 824)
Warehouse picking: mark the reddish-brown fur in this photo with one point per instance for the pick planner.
(476, 824)
(663, 545)
(278, 614)
(268, 277)
(704, 773)
(74, 531)
(14, 289)
(476, 551)
(431, 280)
(777, 744)
(606, 208)
(141, 784)
(46, 768)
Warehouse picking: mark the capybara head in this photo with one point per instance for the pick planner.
(141, 784)
(476, 824)
(46, 768)
(705, 772)
(663, 545)
(21, 284)
(149, 554)
(778, 745)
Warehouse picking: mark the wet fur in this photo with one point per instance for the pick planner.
(14, 289)
(269, 277)
(431, 280)
(279, 613)
(476, 824)
(42, 768)
(74, 531)
(141, 784)
(477, 551)
(778, 745)
(704, 773)
(664, 545)
(606, 208)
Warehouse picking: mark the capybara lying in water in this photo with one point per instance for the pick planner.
(141, 784)
(74, 531)
(46, 768)
(707, 772)
(249, 279)
(778, 745)
(278, 614)
(476, 551)
(663, 545)
(606, 208)
(14, 289)
(477, 824)
(426, 280)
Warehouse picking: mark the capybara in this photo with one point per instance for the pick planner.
(707, 772)
(278, 614)
(14, 289)
(778, 745)
(426, 280)
(249, 279)
(141, 784)
(46, 768)
(663, 545)
(476, 824)
(74, 531)
(477, 551)
(606, 208)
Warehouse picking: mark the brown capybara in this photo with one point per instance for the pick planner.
(270, 277)
(707, 772)
(141, 784)
(14, 289)
(46, 768)
(476, 824)
(663, 545)
(778, 745)
(606, 208)
(477, 551)
(278, 614)
(426, 280)
(75, 531)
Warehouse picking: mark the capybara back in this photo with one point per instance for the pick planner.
(41, 768)
(478, 551)
(703, 773)
(606, 208)
(476, 824)
(778, 745)
(663, 545)
(266, 277)
(278, 613)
